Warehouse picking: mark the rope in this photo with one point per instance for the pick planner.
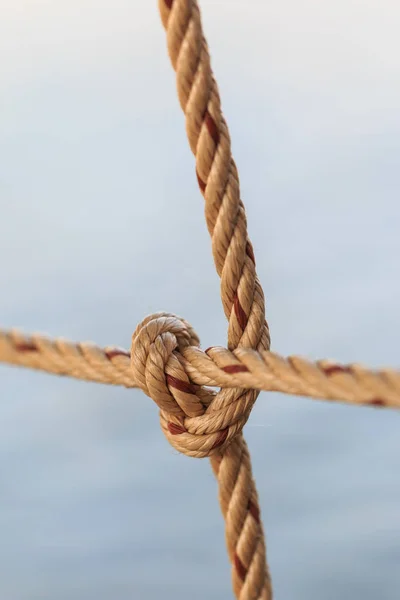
(241, 292)
(216, 367)
(165, 360)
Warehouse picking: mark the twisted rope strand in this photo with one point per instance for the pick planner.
(61, 357)
(208, 136)
(241, 292)
(165, 360)
(217, 367)
(239, 505)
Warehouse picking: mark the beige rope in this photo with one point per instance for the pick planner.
(217, 367)
(241, 292)
(165, 359)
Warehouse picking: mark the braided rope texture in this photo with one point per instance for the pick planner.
(165, 360)
(241, 292)
(216, 367)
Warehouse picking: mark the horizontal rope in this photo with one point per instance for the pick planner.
(218, 367)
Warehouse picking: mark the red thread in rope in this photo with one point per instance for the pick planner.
(240, 568)
(239, 312)
(232, 369)
(182, 386)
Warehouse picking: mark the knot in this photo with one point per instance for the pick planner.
(196, 420)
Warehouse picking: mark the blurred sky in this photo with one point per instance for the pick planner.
(100, 206)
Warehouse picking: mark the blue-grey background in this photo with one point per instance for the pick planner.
(101, 223)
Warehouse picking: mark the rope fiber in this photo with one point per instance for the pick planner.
(241, 293)
(216, 367)
(165, 359)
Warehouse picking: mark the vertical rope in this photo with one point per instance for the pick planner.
(241, 292)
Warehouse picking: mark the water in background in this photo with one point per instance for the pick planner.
(102, 223)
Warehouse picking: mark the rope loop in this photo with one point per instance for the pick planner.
(196, 420)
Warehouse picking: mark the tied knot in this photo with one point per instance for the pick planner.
(196, 420)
